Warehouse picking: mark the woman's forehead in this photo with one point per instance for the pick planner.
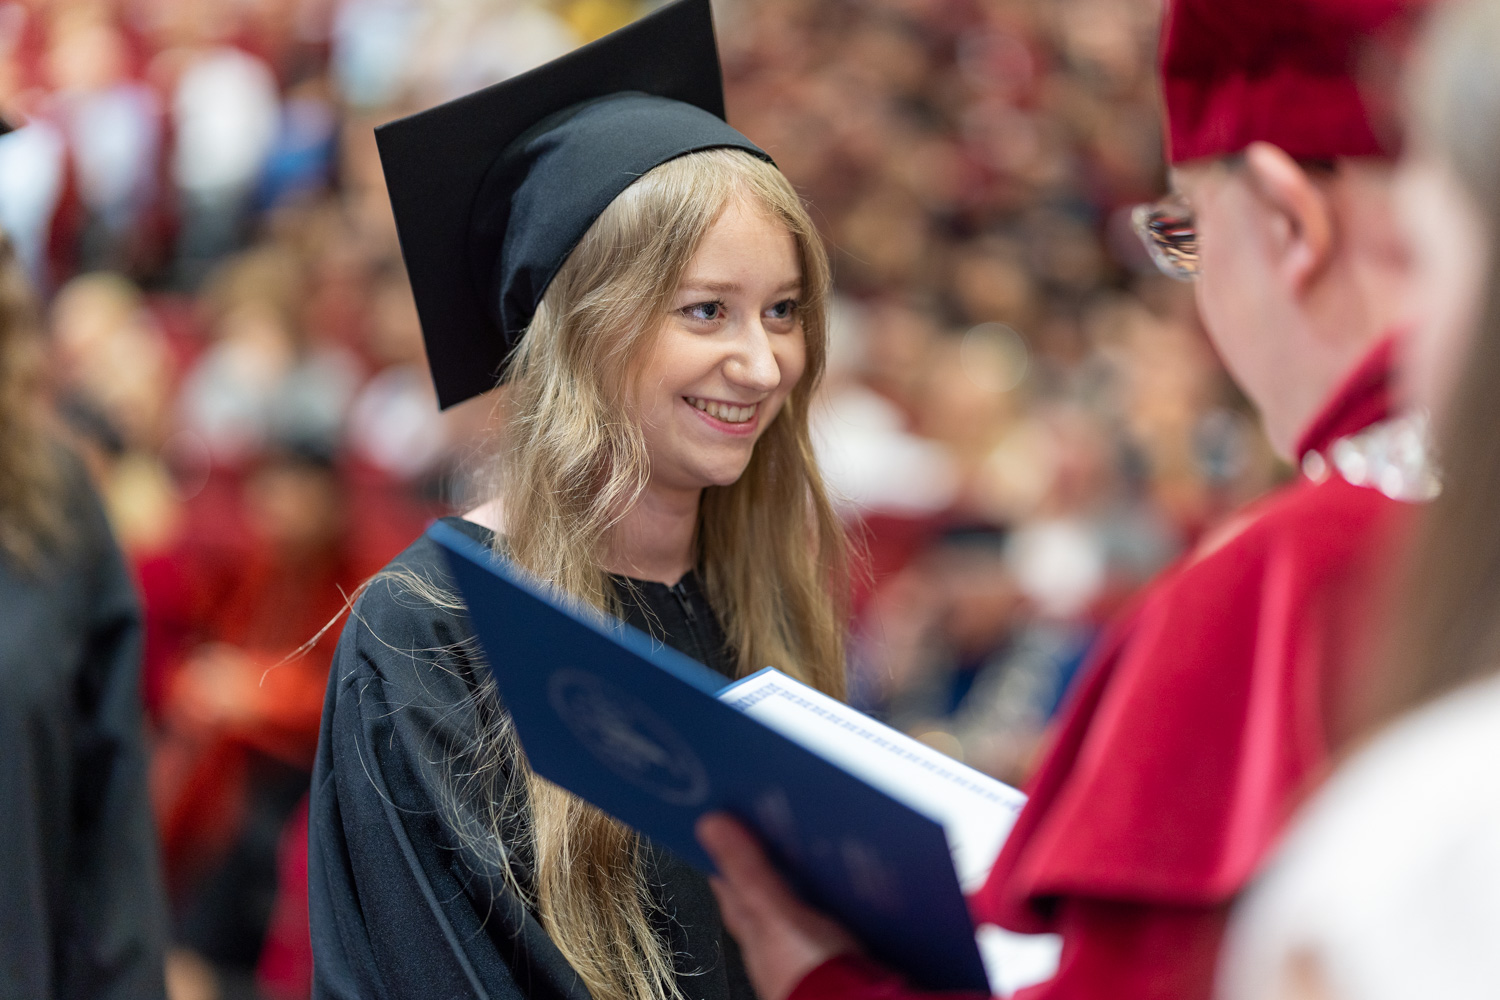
(746, 245)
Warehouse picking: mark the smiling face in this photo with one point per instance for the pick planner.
(728, 354)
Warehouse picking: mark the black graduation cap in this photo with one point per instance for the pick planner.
(493, 190)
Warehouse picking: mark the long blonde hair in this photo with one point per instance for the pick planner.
(31, 518)
(573, 461)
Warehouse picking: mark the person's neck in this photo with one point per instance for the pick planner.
(654, 540)
(1338, 328)
(1312, 377)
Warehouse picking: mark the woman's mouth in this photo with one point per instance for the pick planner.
(729, 417)
(727, 412)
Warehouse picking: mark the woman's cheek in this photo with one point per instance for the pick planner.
(794, 362)
(790, 377)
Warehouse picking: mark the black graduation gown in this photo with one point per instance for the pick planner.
(399, 908)
(82, 913)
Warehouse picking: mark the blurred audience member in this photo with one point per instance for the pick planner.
(119, 374)
(113, 129)
(240, 720)
(299, 163)
(1389, 884)
(372, 47)
(265, 376)
(469, 45)
(225, 117)
(32, 177)
(84, 914)
(395, 424)
(872, 459)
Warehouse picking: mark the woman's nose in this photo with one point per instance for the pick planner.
(753, 364)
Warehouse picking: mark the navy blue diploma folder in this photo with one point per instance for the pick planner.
(634, 727)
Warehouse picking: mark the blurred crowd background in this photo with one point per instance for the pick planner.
(1022, 420)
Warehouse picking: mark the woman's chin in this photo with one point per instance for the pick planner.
(725, 477)
(718, 474)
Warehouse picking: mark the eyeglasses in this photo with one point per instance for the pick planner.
(1170, 234)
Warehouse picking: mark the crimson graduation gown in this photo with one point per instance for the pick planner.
(1208, 711)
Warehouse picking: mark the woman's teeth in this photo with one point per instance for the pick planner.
(723, 411)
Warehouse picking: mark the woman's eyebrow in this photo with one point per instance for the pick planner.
(717, 287)
(730, 287)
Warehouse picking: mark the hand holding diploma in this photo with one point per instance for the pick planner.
(862, 821)
(781, 939)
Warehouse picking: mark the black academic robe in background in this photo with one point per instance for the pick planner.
(399, 907)
(81, 905)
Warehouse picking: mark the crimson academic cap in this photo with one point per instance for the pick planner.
(492, 191)
(1280, 71)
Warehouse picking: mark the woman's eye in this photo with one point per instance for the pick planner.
(705, 311)
(785, 309)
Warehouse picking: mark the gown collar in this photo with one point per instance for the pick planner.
(1357, 437)
(1364, 398)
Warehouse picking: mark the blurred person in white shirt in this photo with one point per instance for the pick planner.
(226, 111)
(113, 128)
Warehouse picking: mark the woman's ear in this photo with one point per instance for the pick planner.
(1302, 218)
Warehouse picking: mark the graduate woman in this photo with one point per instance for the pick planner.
(84, 911)
(651, 292)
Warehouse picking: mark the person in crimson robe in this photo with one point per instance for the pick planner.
(244, 696)
(1218, 699)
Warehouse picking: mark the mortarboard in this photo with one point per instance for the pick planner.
(1281, 71)
(492, 191)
